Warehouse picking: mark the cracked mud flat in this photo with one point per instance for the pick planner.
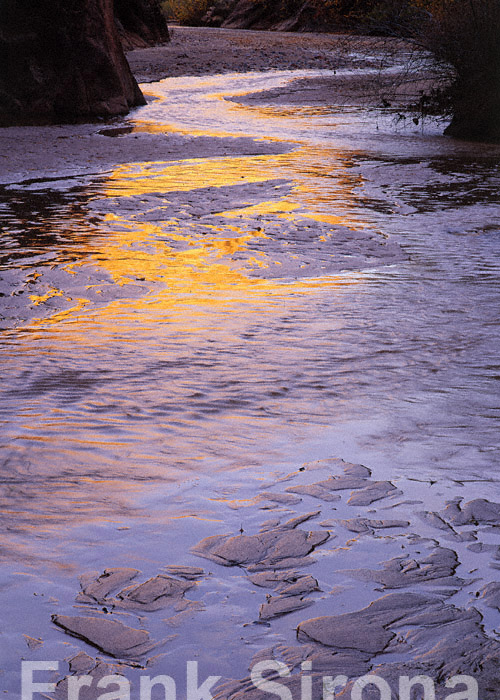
(208, 307)
(291, 567)
(433, 636)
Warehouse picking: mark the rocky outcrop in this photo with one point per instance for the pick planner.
(476, 114)
(464, 36)
(140, 23)
(251, 14)
(62, 62)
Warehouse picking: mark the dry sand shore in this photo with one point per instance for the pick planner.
(205, 51)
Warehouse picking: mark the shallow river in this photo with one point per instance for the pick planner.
(176, 334)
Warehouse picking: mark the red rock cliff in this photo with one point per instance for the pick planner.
(62, 61)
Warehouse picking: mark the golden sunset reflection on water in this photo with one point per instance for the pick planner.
(191, 260)
(164, 345)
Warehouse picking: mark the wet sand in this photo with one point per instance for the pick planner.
(205, 51)
(288, 570)
(63, 150)
(330, 562)
(209, 51)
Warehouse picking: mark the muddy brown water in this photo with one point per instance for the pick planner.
(177, 336)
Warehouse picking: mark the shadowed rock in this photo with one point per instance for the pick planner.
(358, 470)
(285, 582)
(319, 490)
(365, 525)
(190, 573)
(258, 14)
(438, 568)
(84, 665)
(323, 489)
(373, 491)
(438, 640)
(113, 638)
(478, 547)
(154, 594)
(276, 606)
(33, 642)
(490, 595)
(445, 641)
(140, 22)
(303, 585)
(333, 664)
(436, 521)
(81, 663)
(364, 630)
(290, 588)
(472, 513)
(62, 62)
(326, 660)
(356, 477)
(281, 547)
(97, 590)
(267, 499)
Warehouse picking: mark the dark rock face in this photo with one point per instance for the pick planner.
(465, 36)
(299, 15)
(476, 115)
(62, 62)
(140, 23)
(113, 638)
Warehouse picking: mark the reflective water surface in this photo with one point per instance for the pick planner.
(175, 332)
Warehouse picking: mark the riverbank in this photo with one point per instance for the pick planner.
(207, 51)
(360, 71)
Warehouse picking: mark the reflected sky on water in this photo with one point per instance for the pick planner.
(211, 320)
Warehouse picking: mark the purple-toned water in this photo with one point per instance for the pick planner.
(174, 334)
